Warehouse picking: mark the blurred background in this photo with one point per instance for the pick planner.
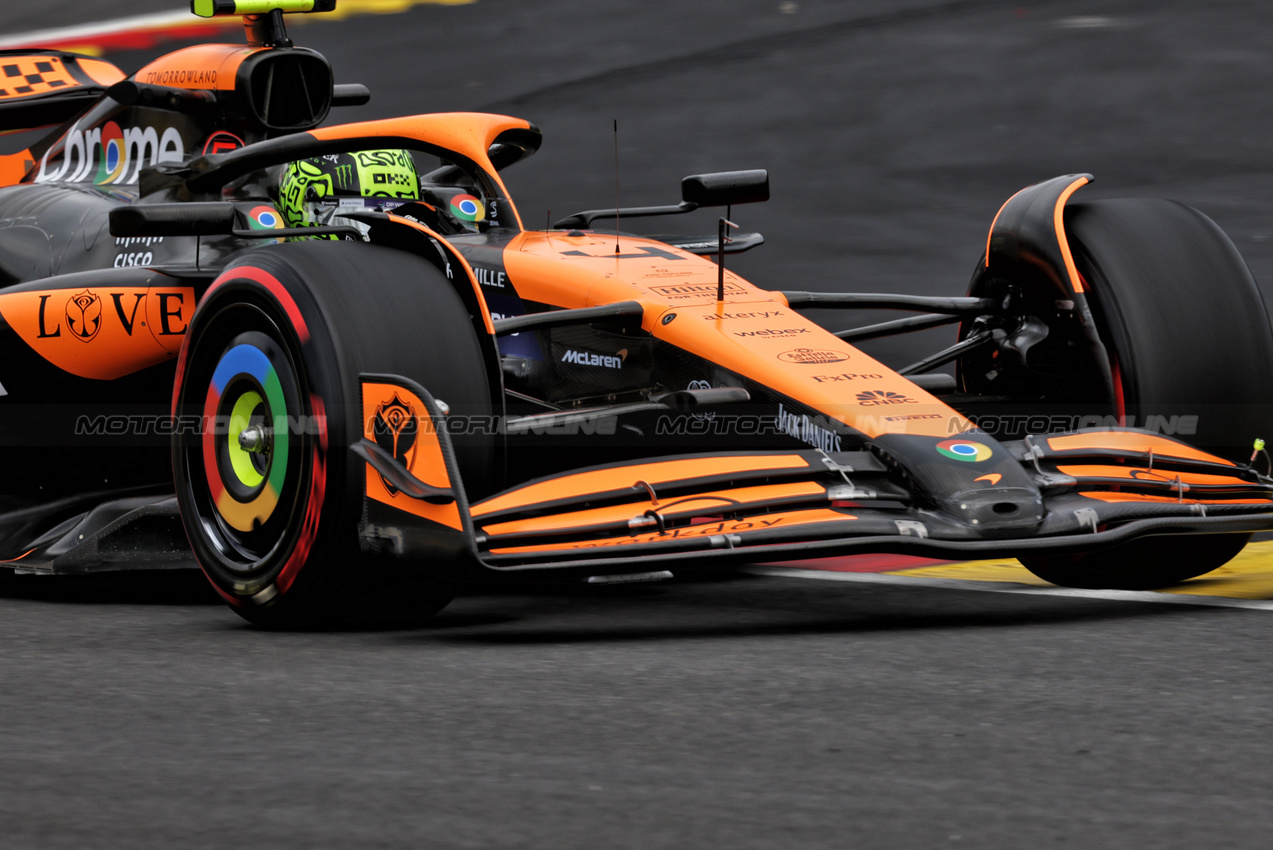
(892, 129)
(752, 714)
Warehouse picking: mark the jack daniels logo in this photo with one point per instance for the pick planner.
(396, 429)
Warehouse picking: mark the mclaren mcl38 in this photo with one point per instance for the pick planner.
(318, 359)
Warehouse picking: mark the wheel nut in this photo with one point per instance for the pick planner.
(256, 438)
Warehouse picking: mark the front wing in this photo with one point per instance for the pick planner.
(1098, 488)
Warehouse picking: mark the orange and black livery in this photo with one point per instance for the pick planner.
(410, 389)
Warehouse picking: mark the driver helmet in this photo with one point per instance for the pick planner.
(313, 192)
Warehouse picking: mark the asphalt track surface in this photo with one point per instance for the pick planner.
(758, 711)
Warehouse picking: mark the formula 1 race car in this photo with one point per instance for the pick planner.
(331, 359)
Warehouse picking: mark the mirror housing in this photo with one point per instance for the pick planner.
(725, 188)
(719, 189)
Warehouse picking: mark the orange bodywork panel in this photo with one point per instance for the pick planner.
(1138, 475)
(467, 133)
(723, 500)
(14, 166)
(35, 74)
(1111, 496)
(100, 71)
(732, 527)
(579, 484)
(1130, 442)
(398, 420)
(206, 67)
(102, 333)
(752, 332)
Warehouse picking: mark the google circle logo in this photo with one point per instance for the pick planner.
(114, 158)
(467, 208)
(965, 450)
(264, 218)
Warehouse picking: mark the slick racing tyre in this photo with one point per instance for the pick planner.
(1145, 564)
(271, 494)
(1182, 319)
(1189, 352)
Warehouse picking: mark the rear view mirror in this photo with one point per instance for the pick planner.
(724, 188)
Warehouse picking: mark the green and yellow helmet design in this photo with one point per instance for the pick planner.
(308, 185)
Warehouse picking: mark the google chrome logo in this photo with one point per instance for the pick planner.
(467, 208)
(964, 450)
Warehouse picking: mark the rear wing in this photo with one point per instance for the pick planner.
(44, 88)
(39, 88)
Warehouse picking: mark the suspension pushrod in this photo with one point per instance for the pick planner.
(887, 301)
(942, 357)
(897, 326)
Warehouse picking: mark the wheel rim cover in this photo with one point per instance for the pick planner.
(244, 371)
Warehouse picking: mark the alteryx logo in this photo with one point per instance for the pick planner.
(587, 358)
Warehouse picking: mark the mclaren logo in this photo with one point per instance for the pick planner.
(587, 358)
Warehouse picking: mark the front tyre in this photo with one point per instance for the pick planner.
(1186, 336)
(255, 475)
(1146, 564)
(268, 400)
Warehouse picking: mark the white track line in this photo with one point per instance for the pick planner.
(1020, 589)
(156, 20)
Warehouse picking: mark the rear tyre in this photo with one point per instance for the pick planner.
(1189, 350)
(271, 496)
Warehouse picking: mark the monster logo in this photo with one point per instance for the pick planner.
(84, 315)
(396, 427)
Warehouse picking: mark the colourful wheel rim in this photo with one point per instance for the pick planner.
(242, 374)
(240, 458)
